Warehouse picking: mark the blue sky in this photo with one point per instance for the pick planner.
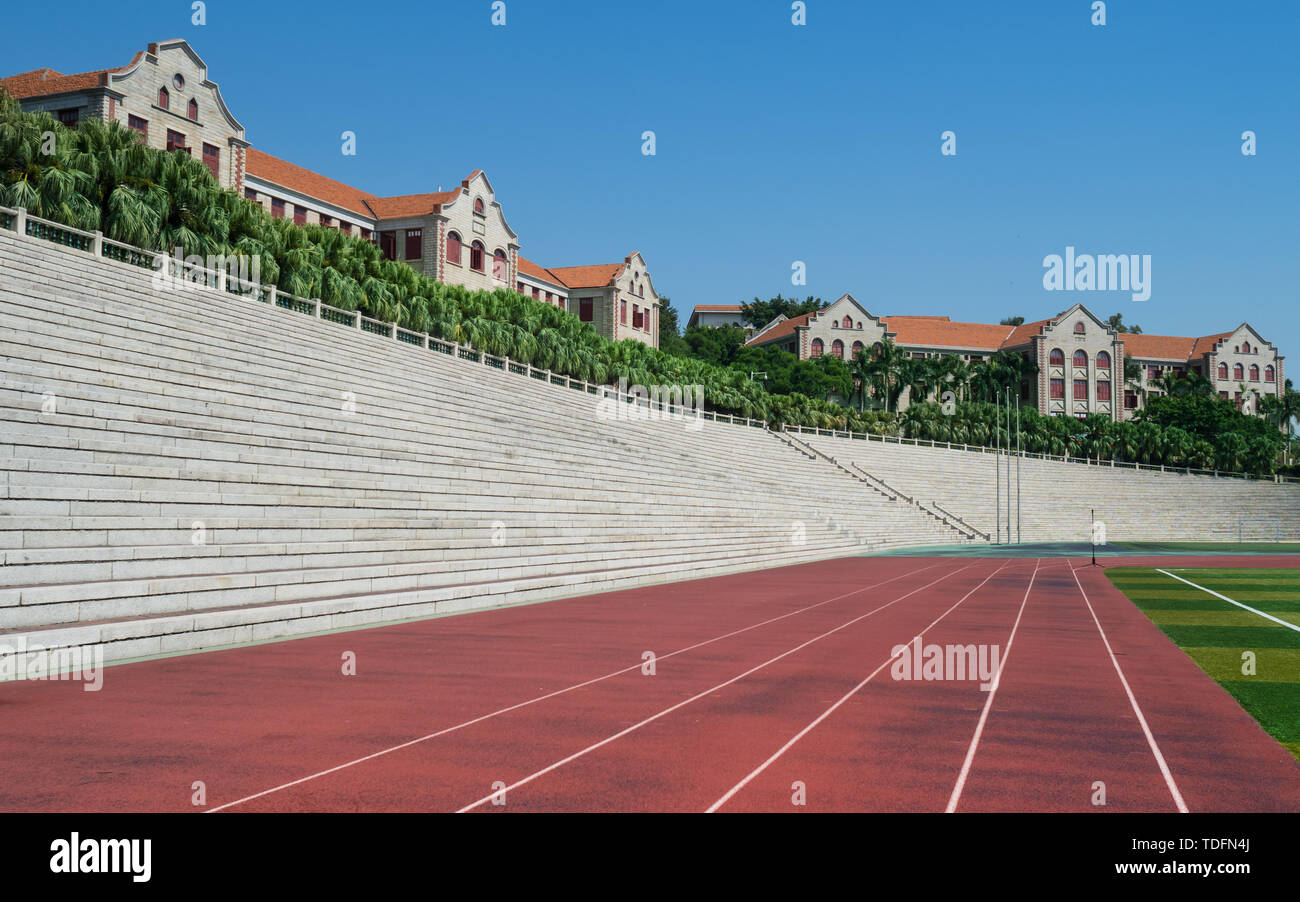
(778, 143)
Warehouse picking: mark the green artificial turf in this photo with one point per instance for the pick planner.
(1217, 634)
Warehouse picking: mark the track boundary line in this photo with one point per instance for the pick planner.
(1151, 739)
(1247, 607)
(557, 692)
(988, 703)
(806, 730)
(699, 695)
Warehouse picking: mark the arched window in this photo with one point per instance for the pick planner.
(1245, 347)
(848, 322)
(876, 349)
(1237, 372)
(1254, 372)
(478, 205)
(1081, 358)
(837, 348)
(859, 325)
(499, 268)
(1078, 328)
(857, 349)
(1223, 371)
(164, 98)
(1268, 374)
(816, 348)
(1103, 360)
(194, 109)
(476, 256)
(453, 247)
(1057, 357)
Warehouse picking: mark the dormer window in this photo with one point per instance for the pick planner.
(478, 205)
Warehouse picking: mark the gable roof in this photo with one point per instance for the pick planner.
(411, 204)
(783, 329)
(1206, 343)
(280, 172)
(1022, 333)
(1157, 347)
(541, 273)
(941, 332)
(598, 275)
(40, 82)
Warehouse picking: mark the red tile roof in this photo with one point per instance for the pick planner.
(287, 175)
(40, 82)
(941, 332)
(1157, 347)
(529, 268)
(1022, 334)
(783, 329)
(1205, 344)
(598, 275)
(411, 204)
(717, 308)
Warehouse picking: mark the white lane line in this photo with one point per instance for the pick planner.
(1151, 740)
(549, 695)
(988, 703)
(1230, 600)
(827, 713)
(700, 695)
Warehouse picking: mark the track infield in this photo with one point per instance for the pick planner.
(1252, 648)
(778, 690)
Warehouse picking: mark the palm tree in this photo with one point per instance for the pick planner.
(882, 367)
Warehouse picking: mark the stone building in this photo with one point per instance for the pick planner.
(459, 236)
(1079, 357)
(163, 93)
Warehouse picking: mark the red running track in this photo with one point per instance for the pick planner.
(768, 688)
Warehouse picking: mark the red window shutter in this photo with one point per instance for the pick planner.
(586, 309)
(1058, 389)
(453, 248)
(414, 243)
(212, 159)
(1080, 389)
(277, 208)
(299, 215)
(1103, 391)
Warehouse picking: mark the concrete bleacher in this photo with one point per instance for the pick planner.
(188, 468)
(1057, 499)
(184, 468)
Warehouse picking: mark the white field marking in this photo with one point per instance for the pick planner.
(988, 703)
(1231, 601)
(541, 698)
(710, 691)
(1151, 740)
(827, 713)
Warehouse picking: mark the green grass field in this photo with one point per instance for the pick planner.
(1227, 547)
(1216, 634)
